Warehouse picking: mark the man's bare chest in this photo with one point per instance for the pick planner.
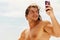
(39, 31)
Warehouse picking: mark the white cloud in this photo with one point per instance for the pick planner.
(13, 14)
(16, 8)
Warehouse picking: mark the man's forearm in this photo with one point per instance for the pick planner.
(56, 26)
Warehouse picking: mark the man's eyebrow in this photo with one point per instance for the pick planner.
(32, 11)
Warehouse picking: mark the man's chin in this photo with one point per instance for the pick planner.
(35, 19)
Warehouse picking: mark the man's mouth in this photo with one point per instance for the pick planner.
(35, 16)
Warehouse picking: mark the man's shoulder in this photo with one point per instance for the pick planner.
(23, 34)
(46, 21)
(25, 31)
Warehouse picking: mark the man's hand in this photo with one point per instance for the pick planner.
(49, 10)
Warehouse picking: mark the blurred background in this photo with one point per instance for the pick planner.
(12, 16)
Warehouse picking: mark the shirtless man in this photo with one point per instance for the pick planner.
(39, 29)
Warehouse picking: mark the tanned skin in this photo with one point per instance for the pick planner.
(41, 30)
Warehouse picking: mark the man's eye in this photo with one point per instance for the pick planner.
(32, 11)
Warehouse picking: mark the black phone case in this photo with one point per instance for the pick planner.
(47, 2)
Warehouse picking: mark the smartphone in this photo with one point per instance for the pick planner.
(47, 3)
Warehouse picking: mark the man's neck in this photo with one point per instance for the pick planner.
(32, 24)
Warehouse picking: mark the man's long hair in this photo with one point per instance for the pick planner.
(28, 9)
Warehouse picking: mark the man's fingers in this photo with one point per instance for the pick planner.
(48, 8)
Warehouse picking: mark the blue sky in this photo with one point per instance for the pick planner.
(13, 21)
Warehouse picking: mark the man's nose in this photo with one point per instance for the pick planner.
(36, 13)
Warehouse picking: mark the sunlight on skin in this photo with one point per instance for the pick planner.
(12, 12)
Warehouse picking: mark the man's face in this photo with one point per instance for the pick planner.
(33, 14)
